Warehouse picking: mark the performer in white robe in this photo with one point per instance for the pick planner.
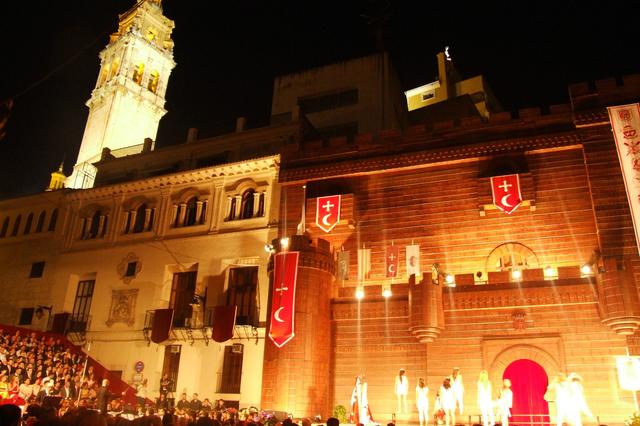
(402, 390)
(558, 392)
(505, 402)
(458, 388)
(360, 412)
(577, 405)
(485, 399)
(448, 402)
(422, 402)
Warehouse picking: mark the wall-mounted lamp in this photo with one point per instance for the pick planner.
(591, 266)
(269, 248)
(386, 291)
(550, 273)
(516, 275)
(359, 292)
(284, 243)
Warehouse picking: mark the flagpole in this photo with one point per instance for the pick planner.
(302, 226)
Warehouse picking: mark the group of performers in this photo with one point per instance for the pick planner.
(566, 392)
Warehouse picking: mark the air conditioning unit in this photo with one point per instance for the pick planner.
(237, 348)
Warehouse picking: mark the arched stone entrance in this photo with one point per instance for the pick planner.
(547, 363)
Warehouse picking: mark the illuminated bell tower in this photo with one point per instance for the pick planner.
(128, 101)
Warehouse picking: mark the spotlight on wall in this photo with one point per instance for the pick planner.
(549, 273)
(284, 243)
(586, 269)
(39, 312)
(269, 248)
(591, 266)
(360, 293)
(386, 292)
(437, 272)
(516, 275)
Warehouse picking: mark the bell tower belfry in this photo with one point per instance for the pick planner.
(128, 101)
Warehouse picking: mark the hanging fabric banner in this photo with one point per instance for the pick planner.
(162, 319)
(224, 321)
(392, 261)
(343, 265)
(625, 122)
(413, 260)
(364, 264)
(328, 212)
(506, 192)
(283, 296)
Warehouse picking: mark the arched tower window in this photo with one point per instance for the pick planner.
(141, 215)
(246, 208)
(16, 226)
(192, 210)
(115, 67)
(41, 217)
(104, 75)
(53, 220)
(153, 81)
(95, 225)
(138, 72)
(27, 225)
(232, 208)
(5, 227)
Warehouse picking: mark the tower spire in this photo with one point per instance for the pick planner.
(128, 101)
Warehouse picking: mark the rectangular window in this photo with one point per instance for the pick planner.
(26, 316)
(37, 270)
(170, 367)
(182, 290)
(82, 306)
(232, 369)
(243, 285)
(326, 102)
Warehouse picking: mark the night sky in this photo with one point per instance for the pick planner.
(228, 53)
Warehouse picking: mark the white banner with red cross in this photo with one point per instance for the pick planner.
(283, 297)
(328, 212)
(506, 192)
(625, 122)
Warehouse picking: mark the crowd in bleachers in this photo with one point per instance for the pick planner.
(43, 381)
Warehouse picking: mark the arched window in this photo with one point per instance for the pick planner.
(140, 218)
(246, 208)
(16, 226)
(115, 67)
(27, 225)
(192, 210)
(95, 225)
(261, 205)
(232, 208)
(153, 81)
(138, 72)
(53, 220)
(104, 75)
(5, 227)
(41, 219)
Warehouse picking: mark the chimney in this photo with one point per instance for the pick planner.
(241, 124)
(147, 146)
(192, 135)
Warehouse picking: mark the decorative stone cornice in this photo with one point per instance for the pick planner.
(245, 167)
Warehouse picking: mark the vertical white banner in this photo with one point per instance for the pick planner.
(625, 122)
(364, 264)
(413, 260)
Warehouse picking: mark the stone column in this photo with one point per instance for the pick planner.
(296, 377)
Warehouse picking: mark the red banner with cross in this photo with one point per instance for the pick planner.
(392, 261)
(283, 297)
(328, 212)
(506, 192)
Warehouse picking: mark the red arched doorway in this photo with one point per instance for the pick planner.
(529, 383)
